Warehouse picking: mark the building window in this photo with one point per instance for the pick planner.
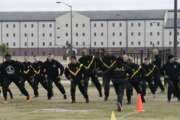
(94, 43)
(50, 25)
(151, 24)
(14, 25)
(102, 24)
(132, 43)
(113, 34)
(113, 43)
(44, 44)
(76, 43)
(120, 43)
(25, 44)
(32, 35)
(102, 43)
(177, 33)
(158, 33)
(58, 28)
(158, 24)
(84, 43)
(14, 35)
(58, 37)
(43, 25)
(77, 25)
(66, 34)
(32, 44)
(43, 34)
(132, 24)
(120, 24)
(14, 44)
(132, 33)
(7, 35)
(170, 43)
(83, 25)
(139, 43)
(170, 33)
(94, 24)
(158, 42)
(66, 25)
(113, 24)
(50, 43)
(25, 34)
(83, 34)
(102, 33)
(139, 24)
(32, 25)
(151, 43)
(7, 44)
(94, 34)
(151, 33)
(50, 34)
(139, 33)
(77, 34)
(7, 25)
(25, 25)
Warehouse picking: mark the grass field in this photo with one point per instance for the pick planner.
(59, 109)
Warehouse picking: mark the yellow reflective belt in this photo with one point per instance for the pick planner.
(74, 73)
(136, 72)
(148, 74)
(36, 72)
(87, 67)
(107, 66)
(26, 71)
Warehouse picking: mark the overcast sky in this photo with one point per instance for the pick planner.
(50, 5)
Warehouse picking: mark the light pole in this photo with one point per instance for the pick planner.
(71, 31)
(175, 28)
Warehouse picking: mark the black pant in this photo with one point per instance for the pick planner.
(119, 85)
(58, 84)
(95, 81)
(173, 88)
(78, 82)
(129, 91)
(158, 82)
(7, 80)
(44, 82)
(106, 80)
(30, 80)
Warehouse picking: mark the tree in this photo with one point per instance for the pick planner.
(4, 49)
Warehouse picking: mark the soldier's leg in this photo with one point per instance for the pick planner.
(73, 91)
(10, 93)
(177, 89)
(158, 83)
(47, 84)
(83, 91)
(152, 86)
(36, 85)
(5, 85)
(86, 82)
(20, 84)
(129, 92)
(97, 84)
(170, 90)
(59, 85)
(106, 87)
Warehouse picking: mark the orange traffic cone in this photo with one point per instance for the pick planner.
(139, 104)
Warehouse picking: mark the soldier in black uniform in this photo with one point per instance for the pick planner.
(28, 75)
(10, 70)
(157, 77)
(150, 72)
(74, 72)
(105, 63)
(90, 64)
(53, 70)
(40, 78)
(172, 70)
(9, 90)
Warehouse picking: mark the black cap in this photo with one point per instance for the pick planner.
(7, 55)
(170, 57)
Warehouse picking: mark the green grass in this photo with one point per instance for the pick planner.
(42, 109)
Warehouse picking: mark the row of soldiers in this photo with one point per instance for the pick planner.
(121, 70)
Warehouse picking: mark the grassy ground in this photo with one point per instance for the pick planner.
(59, 109)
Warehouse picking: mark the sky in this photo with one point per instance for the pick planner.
(50, 5)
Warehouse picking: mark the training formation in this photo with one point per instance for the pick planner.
(121, 70)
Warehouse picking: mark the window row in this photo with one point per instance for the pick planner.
(32, 44)
(32, 25)
(76, 25)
